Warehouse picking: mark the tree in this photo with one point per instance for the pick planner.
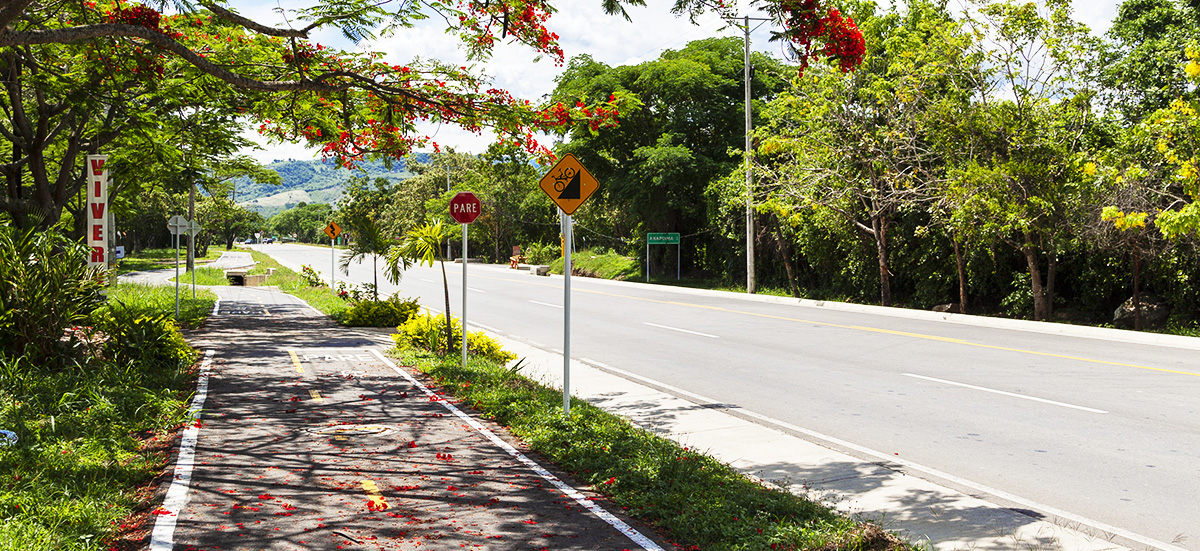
(369, 240)
(860, 145)
(1141, 67)
(422, 244)
(304, 222)
(682, 123)
(1025, 187)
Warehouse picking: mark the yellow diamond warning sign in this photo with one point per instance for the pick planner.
(568, 184)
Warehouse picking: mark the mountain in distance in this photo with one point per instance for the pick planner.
(314, 181)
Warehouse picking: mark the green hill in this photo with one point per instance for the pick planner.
(312, 181)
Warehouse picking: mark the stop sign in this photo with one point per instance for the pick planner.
(465, 207)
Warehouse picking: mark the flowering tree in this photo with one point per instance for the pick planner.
(75, 65)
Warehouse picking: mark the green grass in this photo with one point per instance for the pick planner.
(204, 276)
(161, 298)
(700, 502)
(92, 427)
(605, 265)
(290, 282)
(157, 259)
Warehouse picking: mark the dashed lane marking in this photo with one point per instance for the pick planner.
(296, 361)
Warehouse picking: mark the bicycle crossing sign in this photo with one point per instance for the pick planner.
(568, 184)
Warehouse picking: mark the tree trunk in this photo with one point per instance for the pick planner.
(1137, 291)
(880, 226)
(1051, 277)
(449, 330)
(781, 246)
(1035, 281)
(962, 276)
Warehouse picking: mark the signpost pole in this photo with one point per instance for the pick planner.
(567, 242)
(333, 265)
(464, 300)
(176, 275)
(192, 231)
(647, 259)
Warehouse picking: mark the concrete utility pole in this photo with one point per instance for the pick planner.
(751, 284)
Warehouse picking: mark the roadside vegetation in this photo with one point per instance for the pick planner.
(698, 501)
(92, 388)
(158, 259)
(601, 263)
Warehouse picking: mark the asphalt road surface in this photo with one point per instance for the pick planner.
(1105, 430)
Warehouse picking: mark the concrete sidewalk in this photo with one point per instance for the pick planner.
(923, 506)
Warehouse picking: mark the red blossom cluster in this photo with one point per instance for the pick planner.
(526, 21)
(814, 30)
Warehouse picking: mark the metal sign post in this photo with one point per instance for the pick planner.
(193, 229)
(568, 245)
(568, 184)
(333, 231)
(663, 239)
(464, 300)
(464, 209)
(178, 225)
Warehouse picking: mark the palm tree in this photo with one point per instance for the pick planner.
(370, 240)
(421, 244)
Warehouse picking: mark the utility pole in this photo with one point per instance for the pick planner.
(748, 73)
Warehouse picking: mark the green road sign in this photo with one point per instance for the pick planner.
(662, 239)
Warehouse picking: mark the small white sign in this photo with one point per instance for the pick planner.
(119, 251)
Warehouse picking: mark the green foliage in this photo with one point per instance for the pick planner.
(392, 312)
(304, 223)
(91, 427)
(46, 286)
(310, 276)
(424, 332)
(543, 253)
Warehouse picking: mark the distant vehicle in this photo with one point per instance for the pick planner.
(248, 241)
(268, 240)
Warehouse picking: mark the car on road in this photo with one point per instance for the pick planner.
(268, 240)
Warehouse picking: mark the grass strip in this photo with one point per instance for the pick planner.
(204, 276)
(605, 265)
(157, 259)
(93, 425)
(290, 282)
(700, 502)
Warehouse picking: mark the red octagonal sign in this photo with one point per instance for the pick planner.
(465, 207)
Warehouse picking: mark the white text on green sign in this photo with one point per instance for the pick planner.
(662, 238)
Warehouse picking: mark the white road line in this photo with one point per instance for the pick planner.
(680, 330)
(1003, 393)
(427, 280)
(1028, 503)
(162, 538)
(476, 290)
(630, 532)
(559, 306)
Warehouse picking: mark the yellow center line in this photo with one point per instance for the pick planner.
(296, 361)
(315, 395)
(872, 330)
(378, 502)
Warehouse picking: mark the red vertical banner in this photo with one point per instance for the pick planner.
(97, 210)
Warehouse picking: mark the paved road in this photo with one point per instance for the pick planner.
(310, 439)
(1105, 430)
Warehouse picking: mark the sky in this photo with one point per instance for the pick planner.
(584, 29)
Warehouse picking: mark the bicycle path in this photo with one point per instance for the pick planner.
(309, 438)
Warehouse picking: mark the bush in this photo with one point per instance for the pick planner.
(45, 287)
(392, 312)
(538, 253)
(429, 333)
(310, 276)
